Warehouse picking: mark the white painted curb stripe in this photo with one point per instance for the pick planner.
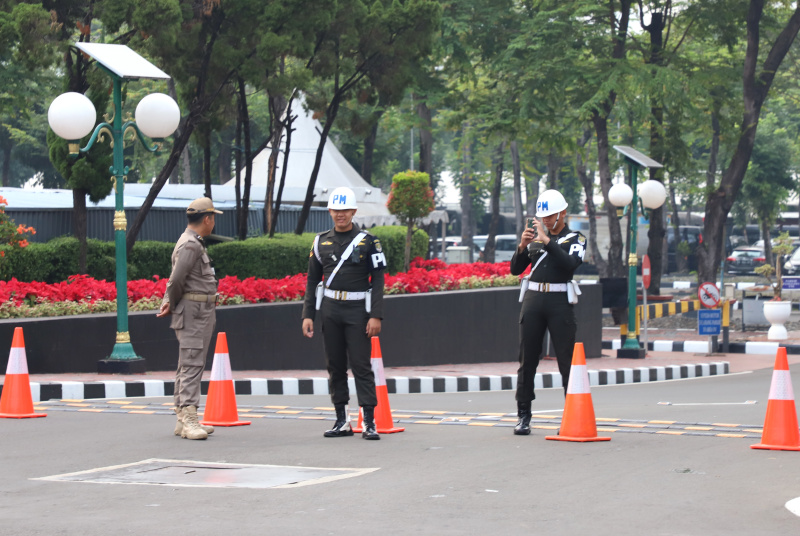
(760, 347)
(116, 389)
(401, 385)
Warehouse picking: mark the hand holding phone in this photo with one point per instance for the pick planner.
(530, 225)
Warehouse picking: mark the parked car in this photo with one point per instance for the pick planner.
(744, 260)
(504, 245)
(435, 247)
(792, 264)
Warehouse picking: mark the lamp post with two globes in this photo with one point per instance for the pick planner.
(72, 117)
(652, 194)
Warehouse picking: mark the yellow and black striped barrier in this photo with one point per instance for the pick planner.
(660, 310)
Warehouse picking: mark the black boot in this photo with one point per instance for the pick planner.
(523, 426)
(342, 426)
(369, 432)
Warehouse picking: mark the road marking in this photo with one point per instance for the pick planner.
(745, 403)
(794, 506)
(549, 421)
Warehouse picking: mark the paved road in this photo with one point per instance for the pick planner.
(459, 473)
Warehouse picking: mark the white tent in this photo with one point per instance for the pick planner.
(335, 171)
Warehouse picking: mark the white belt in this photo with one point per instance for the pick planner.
(547, 287)
(344, 295)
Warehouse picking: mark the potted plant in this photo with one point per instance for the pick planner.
(776, 310)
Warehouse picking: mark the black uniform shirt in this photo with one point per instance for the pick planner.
(565, 253)
(360, 272)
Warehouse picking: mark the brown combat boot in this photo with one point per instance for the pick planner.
(179, 423)
(191, 427)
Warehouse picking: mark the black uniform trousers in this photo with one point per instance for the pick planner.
(344, 332)
(542, 311)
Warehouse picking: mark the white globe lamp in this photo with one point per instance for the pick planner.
(71, 116)
(652, 193)
(158, 115)
(620, 194)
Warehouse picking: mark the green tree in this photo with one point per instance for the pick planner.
(763, 31)
(375, 43)
(410, 199)
(769, 178)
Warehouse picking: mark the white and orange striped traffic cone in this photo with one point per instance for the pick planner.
(780, 426)
(578, 422)
(383, 412)
(220, 409)
(16, 401)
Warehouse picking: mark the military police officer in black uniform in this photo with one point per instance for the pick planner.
(555, 253)
(345, 282)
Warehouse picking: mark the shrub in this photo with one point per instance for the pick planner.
(263, 257)
(150, 258)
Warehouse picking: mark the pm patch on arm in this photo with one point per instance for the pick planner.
(376, 256)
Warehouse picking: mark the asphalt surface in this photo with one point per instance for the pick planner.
(679, 462)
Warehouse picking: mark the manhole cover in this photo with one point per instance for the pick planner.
(209, 475)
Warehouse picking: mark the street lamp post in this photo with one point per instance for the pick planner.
(72, 117)
(653, 195)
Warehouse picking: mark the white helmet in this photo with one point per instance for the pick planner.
(550, 202)
(342, 198)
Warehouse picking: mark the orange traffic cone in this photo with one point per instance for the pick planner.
(16, 401)
(780, 426)
(578, 422)
(220, 407)
(383, 412)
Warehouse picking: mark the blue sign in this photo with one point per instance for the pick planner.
(709, 321)
(791, 282)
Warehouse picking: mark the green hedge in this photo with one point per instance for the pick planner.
(263, 257)
(268, 258)
(56, 260)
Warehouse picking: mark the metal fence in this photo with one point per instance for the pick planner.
(162, 224)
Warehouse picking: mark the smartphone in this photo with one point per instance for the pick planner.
(529, 225)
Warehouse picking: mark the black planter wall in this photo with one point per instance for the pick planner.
(470, 326)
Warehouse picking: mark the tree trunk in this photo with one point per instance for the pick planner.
(207, 166)
(407, 249)
(244, 116)
(425, 136)
(467, 191)
(79, 225)
(656, 232)
(755, 88)
(369, 151)
(288, 127)
(766, 236)
(553, 169)
(224, 157)
(277, 105)
(197, 108)
(587, 181)
(615, 266)
(519, 217)
(186, 166)
(494, 222)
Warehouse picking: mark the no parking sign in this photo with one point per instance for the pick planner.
(708, 294)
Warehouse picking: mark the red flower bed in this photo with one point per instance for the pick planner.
(424, 276)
